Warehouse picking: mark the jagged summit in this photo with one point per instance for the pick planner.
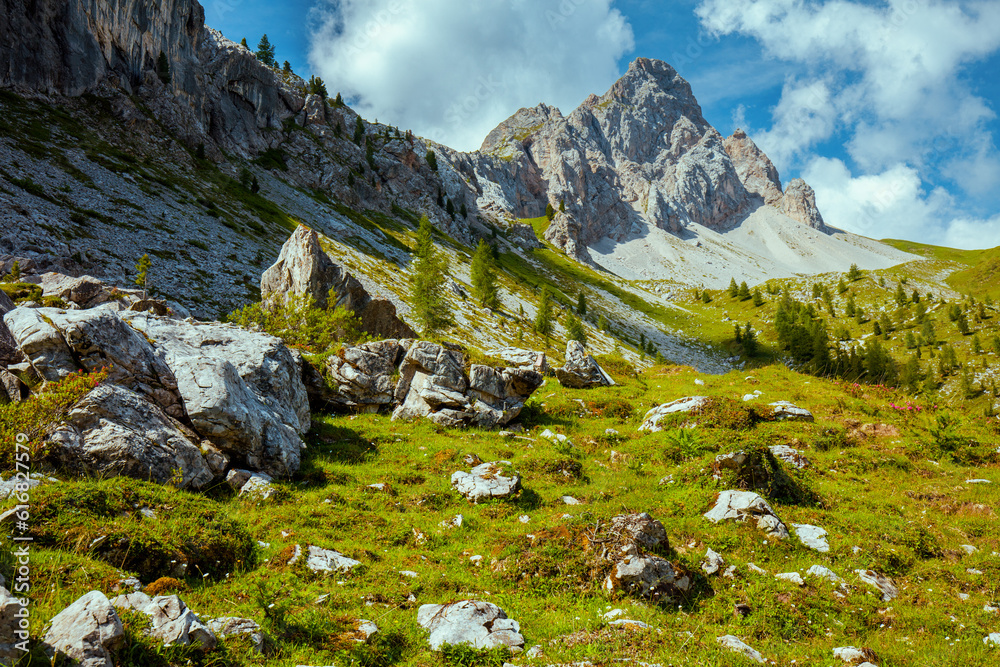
(756, 170)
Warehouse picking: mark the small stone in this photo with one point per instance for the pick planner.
(570, 500)
(881, 583)
(978, 481)
(613, 614)
(753, 568)
(713, 562)
(628, 624)
(992, 638)
(968, 548)
(785, 411)
(813, 537)
(793, 577)
(849, 654)
(409, 573)
(480, 624)
(737, 646)
(823, 573)
(366, 628)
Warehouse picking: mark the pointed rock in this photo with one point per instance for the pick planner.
(756, 171)
(799, 203)
(86, 631)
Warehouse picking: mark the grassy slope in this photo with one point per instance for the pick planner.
(902, 500)
(978, 277)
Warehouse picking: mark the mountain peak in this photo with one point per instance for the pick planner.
(520, 125)
(756, 170)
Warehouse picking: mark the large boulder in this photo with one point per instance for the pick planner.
(11, 632)
(170, 620)
(86, 631)
(82, 291)
(520, 358)
(433, 384)
(304, 269)
(581, 371)
(41, 343)
(362, 376)
(241, 389)
(114, 431)
(497, 396)
(641, 530)
(481, 625)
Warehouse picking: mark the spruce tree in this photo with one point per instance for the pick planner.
(549, 212)
(850, 308)
(287, 67)
(841, 286)
(854, 273)
(581, 305)
(463, 211)
(705, 296)
(427, 280)
(758, 299)
(449, 208)
(317, 87)
(265, 52)
(930, 337)
(484, 277)
(574, 329)
(243, 43)
(359, 130)
(562, 205)
(901, 297)
(432, 160)
(142, 274)
(734, 289)
(543, 318)
(962, 324)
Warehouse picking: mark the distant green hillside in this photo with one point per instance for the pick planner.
(981, 279)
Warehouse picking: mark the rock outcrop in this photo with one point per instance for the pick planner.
(362, 376)
(303, 269)
(755, 169)
(170, 620)
(581, 370)
(640, 155)
(799, 203)
(486, 481)
(746, 506)
(8, 346)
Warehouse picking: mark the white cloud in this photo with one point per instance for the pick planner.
(451, 70)
(896, 68)
(894, 204)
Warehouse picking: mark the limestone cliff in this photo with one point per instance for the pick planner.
(755, 169)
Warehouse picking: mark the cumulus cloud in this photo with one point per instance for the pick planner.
(451, 70)
(890, 71)
(888, 80)
(895, 204)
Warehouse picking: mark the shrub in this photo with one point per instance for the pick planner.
(465, 655)
(164, 586)
(299, 322)
(31, 420)
(19, 292)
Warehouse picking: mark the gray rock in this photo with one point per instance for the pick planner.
(755, 169)
(258, 487)
(791, 577)
(879, 582)
(849, 654)
(432, 384)
(12, 390)
(497, 396)
(486, 481)
(736, 645)
(231, 626)
(647, 576)
(813, 537)
(40, 343)
(799, 203)
(642, 530)
(789, 455)
(362, 376)
(171, 622)
(746, 506)
(713, 562)
(237, 477)
(113, 431)
(11, 632)
(86, 631)
(992, 638)
(481, 625)
(304, 269)
(581, 370)
(84, 291)
(366, 628)
(783, 410)
(9, 353)
(520, 358)
(651, 422)
(324, 560)
(241, 389)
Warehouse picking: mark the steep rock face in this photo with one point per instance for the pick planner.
(69, 47)
(642, 154)
(756, 171)
(799, 203)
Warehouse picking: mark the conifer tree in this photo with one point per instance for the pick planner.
(549, 212)
(927, 331)
(142, 274)
(562, 205)
(854, 273)
(243, 43)
(359, 130)
(464, 212)
(758, 299)
(484, 277)
(449, 208)
(901, 298)
(734, 289)
(574, 329)
(427, 280)
(977, 346)
(581, 305)
(265, 52)
(705, 296)
(432, 161)
(841, 286)
(850, 308)
(287, 67)
(316, 87)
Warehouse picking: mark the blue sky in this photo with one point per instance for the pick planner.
(887, 108)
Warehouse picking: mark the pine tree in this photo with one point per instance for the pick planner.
(901, 298)
(581, 305)
(841, 286)
(543, 318)
(817, 291)
(549, 212)
(430, 306)
(996, 344)
(749, 341)
(359, 130)
(758, 299)
(743, 292)
(287, 67)
(915, 297)
(854, 273)
(911, 342)
(962, 324)
(887, 327)
(706, 297)
(265, 52)
(876, 328)
(574, 329)
(850, 308)
(910, 376)
(462, 211)
(243, 43)
(484, 277)
(965, 388)
(339, 102)
(163, 68)
(734, 289)
(432, 160)
(142, 274)
(317, 87)
(977, 346)
(562, 205)
(927, 331)
(449, 208)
